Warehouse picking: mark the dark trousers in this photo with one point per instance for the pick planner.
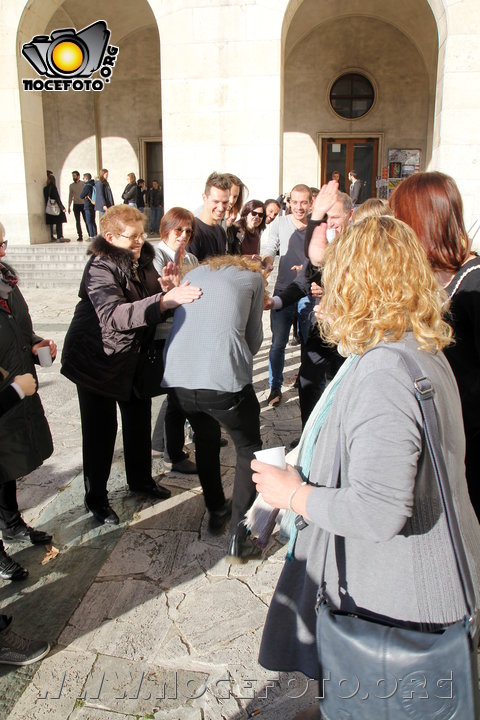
(319, 361)
(174, 431)
(9, 512)
(90, 221)
(78, 211)
(239, 414)
(99, 429)
(58, 230)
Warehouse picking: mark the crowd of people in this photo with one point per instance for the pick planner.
(358, 280)
(88, 196)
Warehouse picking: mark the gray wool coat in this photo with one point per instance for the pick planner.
(399, 560)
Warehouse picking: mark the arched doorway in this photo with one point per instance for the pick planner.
(84, 131)
(394, 48)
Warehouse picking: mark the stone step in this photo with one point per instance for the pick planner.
(46, 263)
(49, 265)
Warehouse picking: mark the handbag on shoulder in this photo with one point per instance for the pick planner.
(374, 668)
(51, 208)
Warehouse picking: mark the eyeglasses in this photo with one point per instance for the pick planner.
(4, 244)
(256, 213)
(140, 236)
(179, 231)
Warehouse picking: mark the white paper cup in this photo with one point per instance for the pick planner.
(272, 456)
(44, 357)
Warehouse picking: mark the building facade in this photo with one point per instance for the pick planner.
(275, 91)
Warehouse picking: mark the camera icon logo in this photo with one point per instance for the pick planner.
(67, 53)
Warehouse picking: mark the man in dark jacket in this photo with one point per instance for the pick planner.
(141, 193)
(154, 199)
(318, 360)
(88, 194)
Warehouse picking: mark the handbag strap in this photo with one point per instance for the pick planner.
(424, 393)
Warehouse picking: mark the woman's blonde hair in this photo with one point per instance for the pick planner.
(372, 207)
(378, 285)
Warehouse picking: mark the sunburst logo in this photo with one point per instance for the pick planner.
(70, 58)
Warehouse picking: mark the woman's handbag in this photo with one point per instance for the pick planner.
(149, 372)
(51, 208)
(373, 668)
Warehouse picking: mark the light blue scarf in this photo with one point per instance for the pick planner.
(308, 441)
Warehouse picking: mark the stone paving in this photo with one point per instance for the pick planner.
(147, 619)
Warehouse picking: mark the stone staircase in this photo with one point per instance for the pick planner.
(49, 265)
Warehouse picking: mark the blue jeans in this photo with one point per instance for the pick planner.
(281, 322)
(90, 221)
(154, 219)
(304, 310)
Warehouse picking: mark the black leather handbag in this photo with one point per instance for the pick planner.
(373, 668)
(149, 373)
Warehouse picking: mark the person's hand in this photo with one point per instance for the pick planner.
(170, 277)
(296, 268)
(326, 198)
(44, 343)
(275, 485)
(26, 383)
(181, 295)
(268, 303)
(316, 291)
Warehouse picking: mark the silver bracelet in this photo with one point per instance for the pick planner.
(292, 495)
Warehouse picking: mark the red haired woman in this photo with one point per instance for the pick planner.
(431, 204)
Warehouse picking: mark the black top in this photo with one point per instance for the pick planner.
(464, 355)
(209, 240)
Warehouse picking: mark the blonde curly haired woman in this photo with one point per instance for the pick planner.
(379, 293)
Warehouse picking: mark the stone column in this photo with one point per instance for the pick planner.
(22, 138)
(221, 96)
(456, 144)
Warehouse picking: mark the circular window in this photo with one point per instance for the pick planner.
(352, 95)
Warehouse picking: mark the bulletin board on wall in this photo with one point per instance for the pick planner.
(401, 164)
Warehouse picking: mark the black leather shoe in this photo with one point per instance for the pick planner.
(218, 518)
(102, 512)
(242, 549)
(23, 532)
(184, 467)
(9, 569)
(158, 492)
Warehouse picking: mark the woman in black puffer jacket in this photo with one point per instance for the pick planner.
(120, 297)
(25, 440)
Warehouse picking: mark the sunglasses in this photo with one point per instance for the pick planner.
(4, 244)
(256, 213)
(179, 231)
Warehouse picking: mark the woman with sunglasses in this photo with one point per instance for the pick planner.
(120, 298)
(250, 226)
(177, 228)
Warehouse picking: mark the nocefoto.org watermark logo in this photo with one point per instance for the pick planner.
(69, 59)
